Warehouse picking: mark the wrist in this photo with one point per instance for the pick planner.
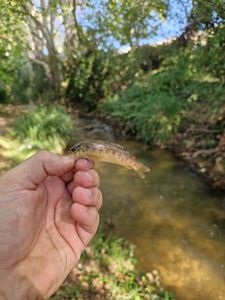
(17, 287)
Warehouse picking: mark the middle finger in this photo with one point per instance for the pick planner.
(86, 179)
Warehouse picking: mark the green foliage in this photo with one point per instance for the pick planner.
(32, 84)
(148, 58)
(127, 21)
(98, 74)
(149, 107)
(3, 94)
(86, 78)
(43, 127)
(206, 28)
(157, 107)
(212, 56)
(108, 271)
(75, 62)
(11, 44)
(208, 14)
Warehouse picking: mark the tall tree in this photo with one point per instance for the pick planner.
(11, 40)
(52, 30)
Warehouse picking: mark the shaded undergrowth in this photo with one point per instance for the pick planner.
(179, 106)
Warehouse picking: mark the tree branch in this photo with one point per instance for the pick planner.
(44, 30)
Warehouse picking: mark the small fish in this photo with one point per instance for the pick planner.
(108, 152)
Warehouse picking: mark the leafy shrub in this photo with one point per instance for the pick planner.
(98, 74)
(47, 127)
(152, 107)
(86, 79)
(158, 106)
(31, 84)
(212, 56)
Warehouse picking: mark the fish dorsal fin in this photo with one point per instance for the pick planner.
(107, 143)
(118, 146)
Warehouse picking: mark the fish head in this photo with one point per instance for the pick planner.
(82, 146)
(87, 146)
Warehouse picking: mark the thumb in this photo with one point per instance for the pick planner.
(35, 169)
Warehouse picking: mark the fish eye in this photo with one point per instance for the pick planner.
(72, 149)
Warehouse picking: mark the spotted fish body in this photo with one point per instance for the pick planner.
(108, 152)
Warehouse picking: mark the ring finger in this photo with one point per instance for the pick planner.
(88, 197)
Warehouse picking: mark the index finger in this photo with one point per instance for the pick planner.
(84, 164)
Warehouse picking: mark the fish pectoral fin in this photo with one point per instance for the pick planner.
(93, 157)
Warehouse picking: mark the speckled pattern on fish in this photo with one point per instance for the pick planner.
(108, 152)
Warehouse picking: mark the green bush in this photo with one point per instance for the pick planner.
(43, 127)
(212, 56)
(152, 107)
(98, 74)
(158, 106)
(31, 84)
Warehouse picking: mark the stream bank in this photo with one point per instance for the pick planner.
(201, 147)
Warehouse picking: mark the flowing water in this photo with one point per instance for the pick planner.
(175, 221)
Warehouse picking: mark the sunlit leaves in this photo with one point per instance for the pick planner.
(129, 21)
(208, 19)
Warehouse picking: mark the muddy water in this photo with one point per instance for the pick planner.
(175, 221)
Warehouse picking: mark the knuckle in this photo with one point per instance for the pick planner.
(78, 176)
(93, 216)
(98, 197)
(76, 192)
(42, 154)
(95, 176)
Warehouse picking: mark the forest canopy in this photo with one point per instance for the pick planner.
(68, 49)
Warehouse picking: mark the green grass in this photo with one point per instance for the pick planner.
(33, 128)
(43, 127)
(108, 271)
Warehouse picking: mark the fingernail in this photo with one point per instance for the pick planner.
(86, 162)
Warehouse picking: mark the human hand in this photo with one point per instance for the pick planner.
(48, 214)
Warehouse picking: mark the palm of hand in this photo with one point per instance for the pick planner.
(45, 231)
(54, 238)
(44, 241)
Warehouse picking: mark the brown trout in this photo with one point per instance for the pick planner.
(108, 152)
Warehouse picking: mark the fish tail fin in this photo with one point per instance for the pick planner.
(142, 169)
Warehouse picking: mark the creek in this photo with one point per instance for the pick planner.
(172, 217)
